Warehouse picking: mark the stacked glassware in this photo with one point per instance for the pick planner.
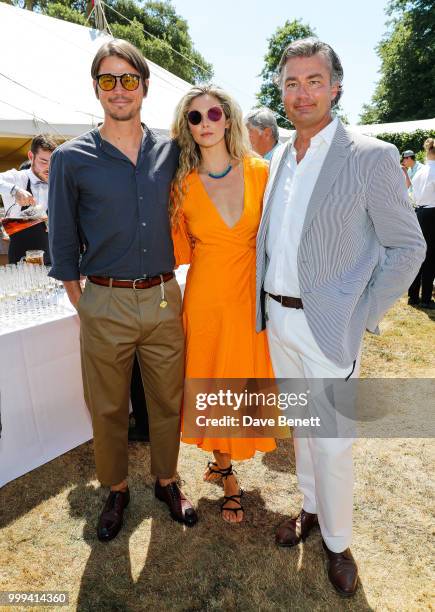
(28, 296)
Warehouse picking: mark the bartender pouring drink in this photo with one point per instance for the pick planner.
(25, 196)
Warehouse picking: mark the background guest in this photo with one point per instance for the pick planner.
(263, 131)
(424, 193)
(410, 166)
(410, 163)
(29, 187)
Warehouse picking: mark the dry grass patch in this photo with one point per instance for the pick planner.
(48, 517)
(406, 346)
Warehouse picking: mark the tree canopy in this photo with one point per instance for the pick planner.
(153, 27)
(405, 91)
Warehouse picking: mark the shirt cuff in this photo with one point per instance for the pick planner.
(65, 273)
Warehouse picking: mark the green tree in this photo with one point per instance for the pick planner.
(405, 91)
(162, 29)
(270, 94)
(154, 27)
(64, 12)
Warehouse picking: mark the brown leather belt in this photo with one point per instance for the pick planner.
(288, 302)
(138, 283)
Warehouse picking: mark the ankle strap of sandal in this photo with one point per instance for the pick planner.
(225, 472)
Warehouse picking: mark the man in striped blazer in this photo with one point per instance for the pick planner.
(337, 245)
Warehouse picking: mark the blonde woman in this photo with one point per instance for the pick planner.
(216, 209)
(423, 186)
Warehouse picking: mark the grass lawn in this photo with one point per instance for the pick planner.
(47, 520)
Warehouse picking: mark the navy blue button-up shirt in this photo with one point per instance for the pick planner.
(113, 212)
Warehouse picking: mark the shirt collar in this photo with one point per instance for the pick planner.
(148, 139)
(34, 180)
(268, 155)
(326, 135)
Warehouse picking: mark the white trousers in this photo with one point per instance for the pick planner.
(323, 465)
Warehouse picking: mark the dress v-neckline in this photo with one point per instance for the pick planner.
(215, 208)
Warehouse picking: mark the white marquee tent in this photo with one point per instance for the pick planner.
(394, 128)
(45, 83)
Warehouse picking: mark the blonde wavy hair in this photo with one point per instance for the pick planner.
(236, 140)
(429, 147)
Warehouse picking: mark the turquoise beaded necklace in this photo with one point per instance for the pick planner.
(220, 175)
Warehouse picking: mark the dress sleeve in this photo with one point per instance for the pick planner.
(260, 173)
(183, 243)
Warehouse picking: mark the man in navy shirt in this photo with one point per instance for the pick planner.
(108, 206)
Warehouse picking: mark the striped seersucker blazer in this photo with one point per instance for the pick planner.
(361, 245)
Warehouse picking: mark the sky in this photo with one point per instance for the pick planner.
(233, 36)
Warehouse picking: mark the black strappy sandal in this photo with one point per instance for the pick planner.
(213, 468)
(236, 499)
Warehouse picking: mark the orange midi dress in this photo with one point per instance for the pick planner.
(219, 298)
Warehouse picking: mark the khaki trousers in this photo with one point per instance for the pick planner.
(115, 324)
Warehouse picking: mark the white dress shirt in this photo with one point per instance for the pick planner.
(20, 178)
(423, 185)
(289, 207)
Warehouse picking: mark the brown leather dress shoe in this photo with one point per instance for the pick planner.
(292, 531)
(110, 521)
(342, 571)
(180, 507)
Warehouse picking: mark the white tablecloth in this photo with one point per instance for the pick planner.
(43, 412)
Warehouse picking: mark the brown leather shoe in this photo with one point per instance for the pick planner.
(180, 507)
(342, 571)
(110, 521)
(292, 531)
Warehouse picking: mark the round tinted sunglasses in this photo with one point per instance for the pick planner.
(214, 114)
(107, 82)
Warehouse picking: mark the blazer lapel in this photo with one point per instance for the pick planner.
(333, 164)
